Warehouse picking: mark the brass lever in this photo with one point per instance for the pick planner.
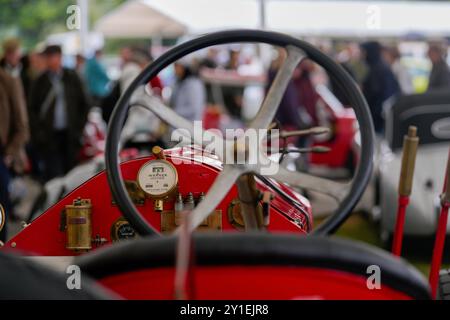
(410, 144)
(300, 133)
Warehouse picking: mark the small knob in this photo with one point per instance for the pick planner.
(158, 205)
(158, 152)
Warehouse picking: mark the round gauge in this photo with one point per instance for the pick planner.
(158, 178)
(122, 230)
(235, 214)
(2, 217)
(125, 231)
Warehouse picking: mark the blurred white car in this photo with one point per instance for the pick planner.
(430, 113)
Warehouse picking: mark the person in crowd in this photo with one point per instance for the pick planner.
(136, 60)
(80, 65)
(10, 61)
(58, 106)
(125, 56)
(25, 68)
(440, 74)
(356, 62)
(392, 56)
(38, 65)
(26, 74)
(379, 84)
(14, 134)
(139, 119)
(309, 96)
(344, 58)
(233, 60)
(291, 113)
(16, 65)
(97, 79)
(189, 94)
(233, 95)
(139, 58)
(288, 114)
(210, 61)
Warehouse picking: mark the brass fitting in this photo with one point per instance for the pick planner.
(79, 225)
(158, 205)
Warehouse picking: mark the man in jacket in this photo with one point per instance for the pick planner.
(440, 73)
(189, 94)
(15, 64)
(58, 108)
(379, 84)
(13, 134)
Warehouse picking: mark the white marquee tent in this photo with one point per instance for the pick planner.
(135, 19)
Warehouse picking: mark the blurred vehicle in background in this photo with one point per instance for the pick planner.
(55, 189)
(94, 136)
(430, 113)
(91, 161)
(330, 112)
(343, 155)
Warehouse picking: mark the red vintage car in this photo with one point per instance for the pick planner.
(130, 228)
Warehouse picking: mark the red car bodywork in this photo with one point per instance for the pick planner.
(245, 283)
(341, 152)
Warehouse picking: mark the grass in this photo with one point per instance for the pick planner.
(359, 227)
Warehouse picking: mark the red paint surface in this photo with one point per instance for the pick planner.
(403, 202)
(43, 237)
(341, 143)
(438, 250)
(250, 282)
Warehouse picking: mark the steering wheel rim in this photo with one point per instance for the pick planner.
(345, 83)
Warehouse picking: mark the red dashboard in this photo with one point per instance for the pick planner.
(47, 235)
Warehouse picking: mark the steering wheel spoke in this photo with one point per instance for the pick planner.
(276, 91)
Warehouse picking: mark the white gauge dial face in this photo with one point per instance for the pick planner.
(157, 178)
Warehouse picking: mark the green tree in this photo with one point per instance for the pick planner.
(33, 21)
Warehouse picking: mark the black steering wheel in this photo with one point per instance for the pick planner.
(347, 194)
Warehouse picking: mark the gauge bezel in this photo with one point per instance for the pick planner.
(2, 217)
(165, 194)
(115, 230)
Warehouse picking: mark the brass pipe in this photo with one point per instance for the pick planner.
(249, 197)
(410, 144)
(300, 133)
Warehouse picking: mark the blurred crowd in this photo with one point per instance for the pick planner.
(45, 106)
